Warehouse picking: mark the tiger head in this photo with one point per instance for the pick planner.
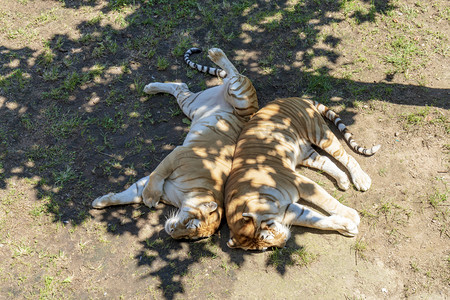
(256, 235)
(191, 222)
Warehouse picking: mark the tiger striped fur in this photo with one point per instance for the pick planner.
(205, 69)
(192, 176)
(263, 187)
(333, 117)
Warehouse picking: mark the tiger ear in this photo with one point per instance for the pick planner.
(208, 207)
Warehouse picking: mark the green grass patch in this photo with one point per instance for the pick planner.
(113, 123)
(438, 199)
(402, 53)
(51, 74)
(50, 157)
(319, 83)
(359, 247)
(63, 176)
(17, 79)
(183, 44)
(62, 125)
(162, 63)
(72, 81)
(416, 118)
(290, 256)
(426, 115)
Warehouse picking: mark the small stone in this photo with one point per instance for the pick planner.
(397, 133)
(384, 290)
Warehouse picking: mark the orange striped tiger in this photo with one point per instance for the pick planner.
(263, 187)
(192, 176)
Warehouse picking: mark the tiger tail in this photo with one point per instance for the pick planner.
(205, 69)
(334, 117)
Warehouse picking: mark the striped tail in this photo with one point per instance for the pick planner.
(205, 69)
(334, 117)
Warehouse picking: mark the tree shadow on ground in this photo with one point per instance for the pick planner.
(76, 124)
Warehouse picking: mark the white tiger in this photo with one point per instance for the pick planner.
(192, 176)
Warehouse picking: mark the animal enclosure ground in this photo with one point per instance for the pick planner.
(75, 124)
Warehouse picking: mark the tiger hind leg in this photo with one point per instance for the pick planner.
(154, 190)
(299, 215)
(315, 194)
(179, 90)
(218, 57)
(333, 147)
(130, 196)
(315, 160)
(240, 92)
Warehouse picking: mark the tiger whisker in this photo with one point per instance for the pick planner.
(173, 213)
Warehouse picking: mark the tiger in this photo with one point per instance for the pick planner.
(192, 176)
(263, 187)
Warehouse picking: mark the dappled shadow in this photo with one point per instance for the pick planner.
(171, 274)
(75, 123)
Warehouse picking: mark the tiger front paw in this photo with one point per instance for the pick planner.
(362, 181)
(345, 226)
(151, 199)
(351, 214)
(152, 88)
(343, 182)
(102, 202)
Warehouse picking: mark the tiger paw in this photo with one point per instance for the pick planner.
(362, 181)
(345, 226)
(351, 214)
(151, 199)
(173, 88)
(102, 202)
(343, 182)
(152, 88)
(216, 55)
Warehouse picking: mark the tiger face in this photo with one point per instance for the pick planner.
(194, 222)
(254, 237)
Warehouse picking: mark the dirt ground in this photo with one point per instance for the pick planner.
(75, 124)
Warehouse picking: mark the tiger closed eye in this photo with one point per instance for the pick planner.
(192, 224)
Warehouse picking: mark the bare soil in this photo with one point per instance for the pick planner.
(75, 124)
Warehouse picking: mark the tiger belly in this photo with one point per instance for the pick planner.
(214, 130)
(172, 194)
